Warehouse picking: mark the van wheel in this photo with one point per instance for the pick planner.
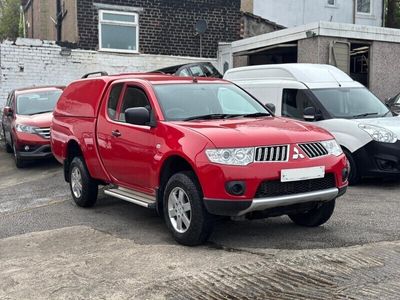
(354, 176)
(315, 217)
(83, 188)
(9, 149)
(19, 163)
(184, 211)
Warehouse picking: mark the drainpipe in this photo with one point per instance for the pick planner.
(354, 11)
(383, 13)
(59, 15)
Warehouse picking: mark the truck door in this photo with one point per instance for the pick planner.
(126, 150)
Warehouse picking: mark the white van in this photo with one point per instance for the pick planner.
(365, 128)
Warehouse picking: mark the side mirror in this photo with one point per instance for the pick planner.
(271, 107)
(7, 111)
(310, 114)
(137, 116)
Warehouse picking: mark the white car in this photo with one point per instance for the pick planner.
(365, 128)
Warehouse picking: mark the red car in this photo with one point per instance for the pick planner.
(193, 148)
(26, 122)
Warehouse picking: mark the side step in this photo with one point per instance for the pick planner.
(132, 196)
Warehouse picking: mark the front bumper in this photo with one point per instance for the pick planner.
(41, 152)
(240, 208)
(378, 159)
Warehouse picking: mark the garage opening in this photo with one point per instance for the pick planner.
(359, 62)
(276, 54)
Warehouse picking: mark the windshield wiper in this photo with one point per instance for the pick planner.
(364, 115)
(207, 117)
(41, 112)
(257, 114)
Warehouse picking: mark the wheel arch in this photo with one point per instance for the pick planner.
(72, 150)
(170, 166)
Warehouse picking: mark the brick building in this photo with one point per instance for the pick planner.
(135, 26)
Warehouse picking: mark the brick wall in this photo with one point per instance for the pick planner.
(34, 62)
(167, 26)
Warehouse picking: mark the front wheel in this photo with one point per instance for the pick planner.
(184, 211)
(316, 216)
(84, 188)
(19, 163)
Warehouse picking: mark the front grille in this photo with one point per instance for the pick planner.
(44, 132)
(272, 153)
(313, 149)
(277, 188)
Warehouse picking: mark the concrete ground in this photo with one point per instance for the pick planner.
(51, 249)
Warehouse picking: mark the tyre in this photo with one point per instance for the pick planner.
(315, 217)
(354, 175)
(84, 189)
(184, 211)
(9, 149)
(19, 163)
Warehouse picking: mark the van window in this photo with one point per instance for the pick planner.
(294, 102)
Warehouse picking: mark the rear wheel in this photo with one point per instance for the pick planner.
(84, 189)
(184, 211)
(316, 216)
(9, 149)
(354, 175)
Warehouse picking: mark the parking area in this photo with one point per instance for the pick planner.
(119, 250)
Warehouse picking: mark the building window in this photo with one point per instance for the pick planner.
(331, 2)
(118, 31)
(364, 6)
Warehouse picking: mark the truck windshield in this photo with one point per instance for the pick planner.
(37, 102)
(206, 101)
(351, 103)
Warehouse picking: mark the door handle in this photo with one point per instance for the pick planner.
(116, 133)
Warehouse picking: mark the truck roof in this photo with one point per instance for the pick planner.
(156, 78)
(309, 74)
(82, 97)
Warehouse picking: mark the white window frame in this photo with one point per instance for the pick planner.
(371, 2)
(118, 23)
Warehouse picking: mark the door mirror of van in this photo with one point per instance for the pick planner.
(137, 116)
(310, 114)
(7, 111)
(271, 107)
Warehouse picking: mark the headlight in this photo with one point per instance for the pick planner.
(25, 128)
(379, 134)
(234, 156)
(332, 147)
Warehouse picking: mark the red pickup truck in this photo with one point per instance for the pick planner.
(193, 149)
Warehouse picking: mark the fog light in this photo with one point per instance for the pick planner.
(27, 148)
(236, 188)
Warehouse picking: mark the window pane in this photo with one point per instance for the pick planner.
(113, 100)
(294, 102)
(134, 97)
(181, 101)
(364, 6)
(331, 2)
(38, 102)
(118, 17)
(118, 37)
(197, 71)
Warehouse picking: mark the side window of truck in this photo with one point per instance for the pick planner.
(294, 102)
(113, 100)
(133, 97)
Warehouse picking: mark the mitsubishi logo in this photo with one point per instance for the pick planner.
(297, 154)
